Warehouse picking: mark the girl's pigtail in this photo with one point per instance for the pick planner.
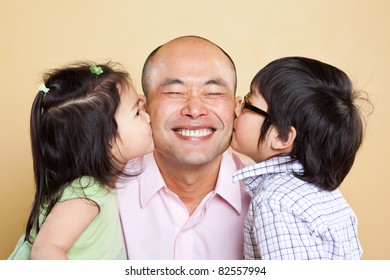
(37, 142)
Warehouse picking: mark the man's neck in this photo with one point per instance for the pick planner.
(190, 182)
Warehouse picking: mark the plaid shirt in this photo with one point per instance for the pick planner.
(291, 219)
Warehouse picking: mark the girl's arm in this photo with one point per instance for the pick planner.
(66, 221)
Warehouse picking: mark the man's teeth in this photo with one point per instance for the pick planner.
(194, 133)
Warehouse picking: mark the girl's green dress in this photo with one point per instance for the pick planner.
(102, 239)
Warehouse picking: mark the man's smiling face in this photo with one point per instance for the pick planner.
(191, 101)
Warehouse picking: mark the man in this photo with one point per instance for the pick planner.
(184, 204)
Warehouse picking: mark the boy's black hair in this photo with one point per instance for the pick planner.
(318, 100)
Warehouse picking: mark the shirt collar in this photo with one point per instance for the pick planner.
(278, 164)
(151, 181)
(225, 188)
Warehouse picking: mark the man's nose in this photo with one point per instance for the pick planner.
(194, 107)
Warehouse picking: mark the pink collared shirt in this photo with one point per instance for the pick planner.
(156, 223)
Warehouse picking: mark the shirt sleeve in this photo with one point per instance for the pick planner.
(284, 235)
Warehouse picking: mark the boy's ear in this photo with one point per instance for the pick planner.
(281, 144)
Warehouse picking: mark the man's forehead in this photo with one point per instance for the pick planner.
(182, 66)
(192, 58)
(200, 81)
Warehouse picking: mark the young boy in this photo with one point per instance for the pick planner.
(300, 125)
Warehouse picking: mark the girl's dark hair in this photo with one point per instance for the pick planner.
(72, 127)
(318, 100)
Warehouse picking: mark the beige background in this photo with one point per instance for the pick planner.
(351, 34)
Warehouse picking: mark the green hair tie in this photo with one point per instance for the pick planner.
(96, 69)
(43, 88)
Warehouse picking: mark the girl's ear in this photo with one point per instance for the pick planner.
(115, 149)
(283, 144)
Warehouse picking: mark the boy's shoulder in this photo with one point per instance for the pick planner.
(299, 197)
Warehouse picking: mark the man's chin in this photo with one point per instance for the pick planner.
(195, 158)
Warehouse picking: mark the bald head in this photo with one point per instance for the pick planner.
(188, 51)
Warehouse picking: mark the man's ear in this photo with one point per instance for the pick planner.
(143, 102)
(283, 144)
(238, 99)
(237, 108)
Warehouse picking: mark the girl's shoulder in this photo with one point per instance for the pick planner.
(84, 187)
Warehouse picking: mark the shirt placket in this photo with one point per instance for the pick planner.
(184, 225)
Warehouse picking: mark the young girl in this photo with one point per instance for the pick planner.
(300, 124)
(87, 122)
